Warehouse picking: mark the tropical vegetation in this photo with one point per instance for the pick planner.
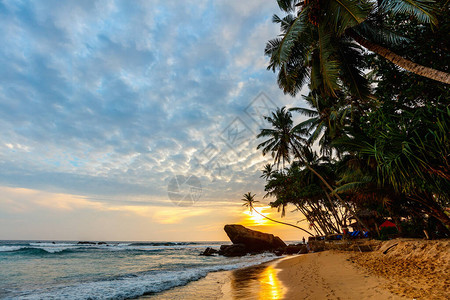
(374, 139)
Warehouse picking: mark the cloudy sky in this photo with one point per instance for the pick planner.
(106, 105)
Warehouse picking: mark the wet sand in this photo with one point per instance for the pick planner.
(256, 282)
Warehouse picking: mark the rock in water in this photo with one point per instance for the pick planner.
(209, 252)
(233, 250)
(254, 241)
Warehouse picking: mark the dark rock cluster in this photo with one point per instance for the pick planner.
(246, 241)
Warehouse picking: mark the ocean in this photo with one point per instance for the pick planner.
(107, 270)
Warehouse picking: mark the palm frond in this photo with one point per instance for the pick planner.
(379, 34)
(329, 67)
(304, 111)
(343, 14)
(289, 39)
(287, 5)
(422, 10)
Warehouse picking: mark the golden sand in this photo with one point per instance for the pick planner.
(330, 275)
(399, 269)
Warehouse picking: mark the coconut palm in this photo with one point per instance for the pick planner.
(326, 121)
(249, 200)
(281, 136)
(317, 42)
(267, 171)
(283, 141)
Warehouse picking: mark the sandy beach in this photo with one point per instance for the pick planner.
(398, 269)
(330, 275)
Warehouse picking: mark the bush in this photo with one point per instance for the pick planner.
(385, 232)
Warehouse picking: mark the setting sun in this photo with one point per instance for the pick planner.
(256, 219)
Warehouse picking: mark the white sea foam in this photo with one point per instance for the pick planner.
(10, 248)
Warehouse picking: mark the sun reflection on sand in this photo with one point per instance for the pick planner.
(270, 285)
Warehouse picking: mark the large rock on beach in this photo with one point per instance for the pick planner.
(253, 241)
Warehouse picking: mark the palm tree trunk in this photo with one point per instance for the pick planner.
(308, 215)
(279, 222)
(401, 61)
(333, 210)
(328, 186)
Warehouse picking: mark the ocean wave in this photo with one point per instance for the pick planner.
(134, 286)
(66, 247)
(10, 248)
(163, 243)
(33, 250)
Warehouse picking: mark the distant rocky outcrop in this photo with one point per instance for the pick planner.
(254, 241)
(86, 243)
(90, 243)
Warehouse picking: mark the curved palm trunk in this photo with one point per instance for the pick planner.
(328, 186)
(333, 211)
(401, 61)
(279, 222)
(307, 213)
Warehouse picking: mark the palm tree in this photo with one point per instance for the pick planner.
(318, 38)
(280, 138)
(284, 139)
(250, 200)
(331, 64)
(267, 171)
(299, 187)
(326, 121)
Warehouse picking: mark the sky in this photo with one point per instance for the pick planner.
(134, 120)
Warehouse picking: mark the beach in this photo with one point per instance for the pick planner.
(398, 269)
(323, 275)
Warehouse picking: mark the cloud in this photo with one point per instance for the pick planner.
(108, 99)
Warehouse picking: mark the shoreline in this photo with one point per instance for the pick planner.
(322, 275)
(398, 269)
(241, 283)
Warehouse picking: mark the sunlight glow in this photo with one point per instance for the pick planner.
(271, 287)
(255, 218)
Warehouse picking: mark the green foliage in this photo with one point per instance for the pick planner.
(387, 232)
(382, 133)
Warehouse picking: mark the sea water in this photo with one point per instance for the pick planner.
(111, 270)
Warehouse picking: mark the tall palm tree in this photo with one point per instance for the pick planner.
(284, 139)
(317, 42)
(250, 200)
